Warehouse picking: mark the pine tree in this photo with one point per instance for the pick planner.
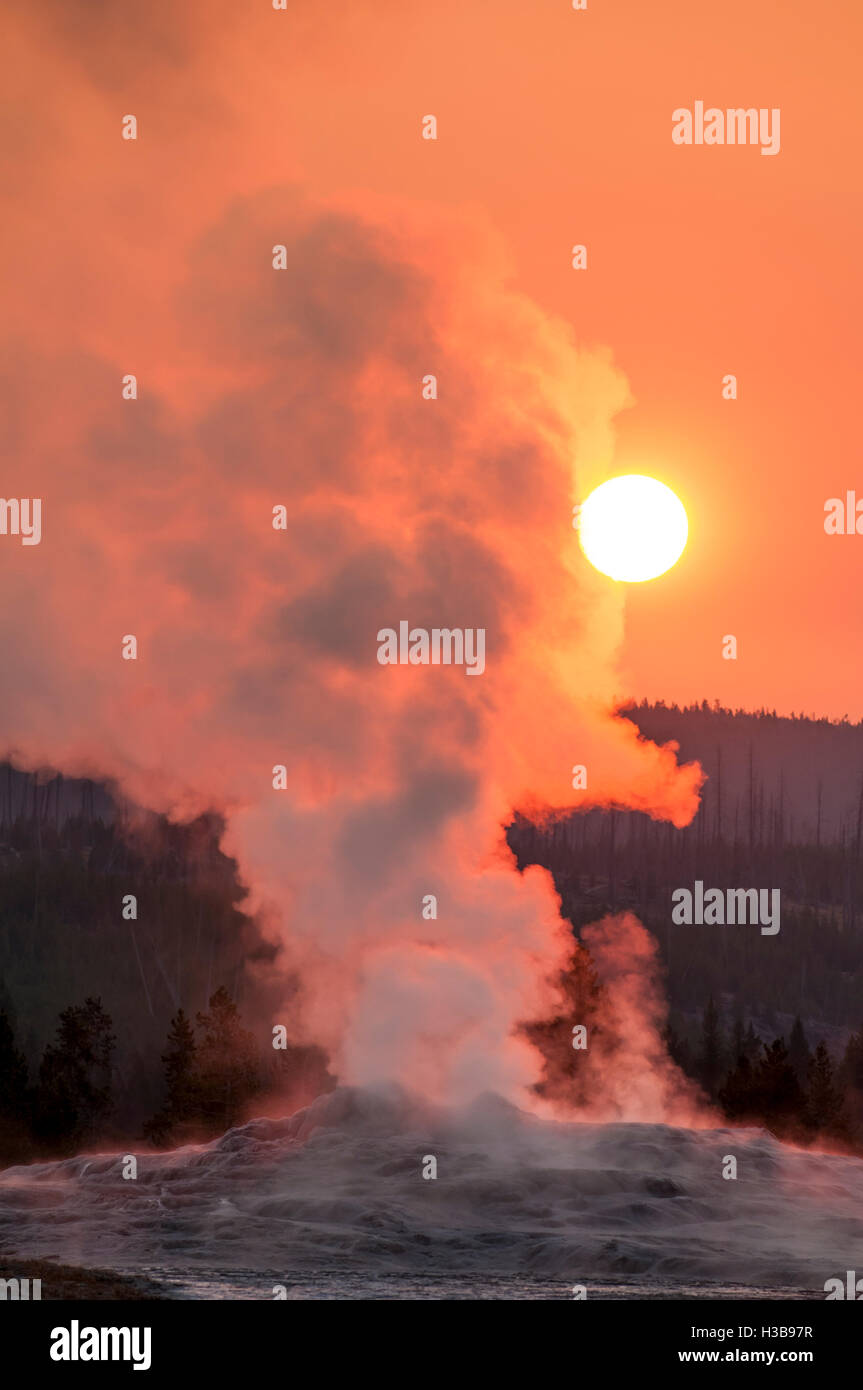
(710, 1060)
(739, 1097)
(228, 1070)
(13, 1074)
(825, 1110)
(182, 1098)
(799, 1054)
(751, 1044)
(851, 1069)
(850, 1080)
(179, 1063)
(73, 1098)
(16, 1143)
(767, 1092)
(738, 1039)
(779, 1092)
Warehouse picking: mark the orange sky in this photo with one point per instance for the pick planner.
(257, 645)
(702, 261)
(556, 127)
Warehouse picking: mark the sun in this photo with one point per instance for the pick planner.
(633, 528)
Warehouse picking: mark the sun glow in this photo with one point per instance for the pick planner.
(633, 528)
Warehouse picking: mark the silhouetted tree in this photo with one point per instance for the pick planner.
(13, 1074)
(738, 1097)
(182, 1096)
(73, 1098)
(851, 1069)
(15, 1140)
(227, 1067)
(738, 1039)
(799, 1054)
(850, 1080)
(779, 1092)
(751, 1044)
(767, 1092)
(825, 1111)
(710, 1059)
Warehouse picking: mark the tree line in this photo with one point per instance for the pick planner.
(212, 1072)
(782, 807)
(799, 1093)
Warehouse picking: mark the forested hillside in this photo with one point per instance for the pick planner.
(81, 977)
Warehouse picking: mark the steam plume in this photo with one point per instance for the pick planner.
(256, 646)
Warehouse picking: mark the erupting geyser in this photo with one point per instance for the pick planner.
(256, 539)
